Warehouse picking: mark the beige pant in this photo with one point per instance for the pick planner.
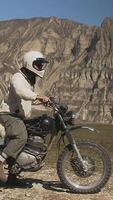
(16, 133)
(2, 131)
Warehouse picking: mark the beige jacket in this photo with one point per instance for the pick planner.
(20, 96)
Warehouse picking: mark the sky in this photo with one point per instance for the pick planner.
(90, 12)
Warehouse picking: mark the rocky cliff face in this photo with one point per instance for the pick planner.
(80, 71)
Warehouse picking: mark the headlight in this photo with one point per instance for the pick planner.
(63, 108)
(70, 117)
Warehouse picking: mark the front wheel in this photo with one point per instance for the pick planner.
(84, 180)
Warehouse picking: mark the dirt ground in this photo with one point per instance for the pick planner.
(46, 186)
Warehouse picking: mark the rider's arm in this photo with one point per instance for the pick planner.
(22, 88)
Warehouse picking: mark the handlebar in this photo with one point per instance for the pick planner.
(50, 103)
(57, 107)
(61, 107)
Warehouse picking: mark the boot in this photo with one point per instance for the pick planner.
(3, 177)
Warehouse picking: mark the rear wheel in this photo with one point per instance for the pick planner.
(89, 179)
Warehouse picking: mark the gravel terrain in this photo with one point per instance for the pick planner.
(46, 185)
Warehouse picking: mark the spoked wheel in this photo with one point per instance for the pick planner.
(89, 176)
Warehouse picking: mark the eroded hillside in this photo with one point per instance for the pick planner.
(80, 71)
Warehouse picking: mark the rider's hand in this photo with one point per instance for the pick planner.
(45, 99)
(41, 99)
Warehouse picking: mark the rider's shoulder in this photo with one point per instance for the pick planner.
(17, 76)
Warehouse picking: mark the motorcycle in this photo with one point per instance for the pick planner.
(82, 166)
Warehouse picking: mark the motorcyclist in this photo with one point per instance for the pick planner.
(18, 105)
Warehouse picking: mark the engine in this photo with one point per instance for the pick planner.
(33, 153)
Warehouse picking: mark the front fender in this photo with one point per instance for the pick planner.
(83, 127)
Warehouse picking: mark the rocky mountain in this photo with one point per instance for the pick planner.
(80, 69)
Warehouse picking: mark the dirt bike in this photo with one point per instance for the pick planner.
(83, 166)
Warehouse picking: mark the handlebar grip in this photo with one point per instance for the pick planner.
(52, 99)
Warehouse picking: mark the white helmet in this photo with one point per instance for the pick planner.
(34, 60)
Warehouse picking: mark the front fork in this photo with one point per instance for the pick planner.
(75, 148)
(72, 142)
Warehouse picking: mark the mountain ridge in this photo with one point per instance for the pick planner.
(80, 71)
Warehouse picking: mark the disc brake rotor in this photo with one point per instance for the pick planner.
(78, 168)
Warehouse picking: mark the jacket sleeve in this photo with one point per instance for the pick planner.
(22, 89)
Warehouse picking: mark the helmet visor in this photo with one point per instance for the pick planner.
(38, 64)
(41, 60)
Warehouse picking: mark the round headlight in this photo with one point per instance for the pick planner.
(71, 116)
(63, 108)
